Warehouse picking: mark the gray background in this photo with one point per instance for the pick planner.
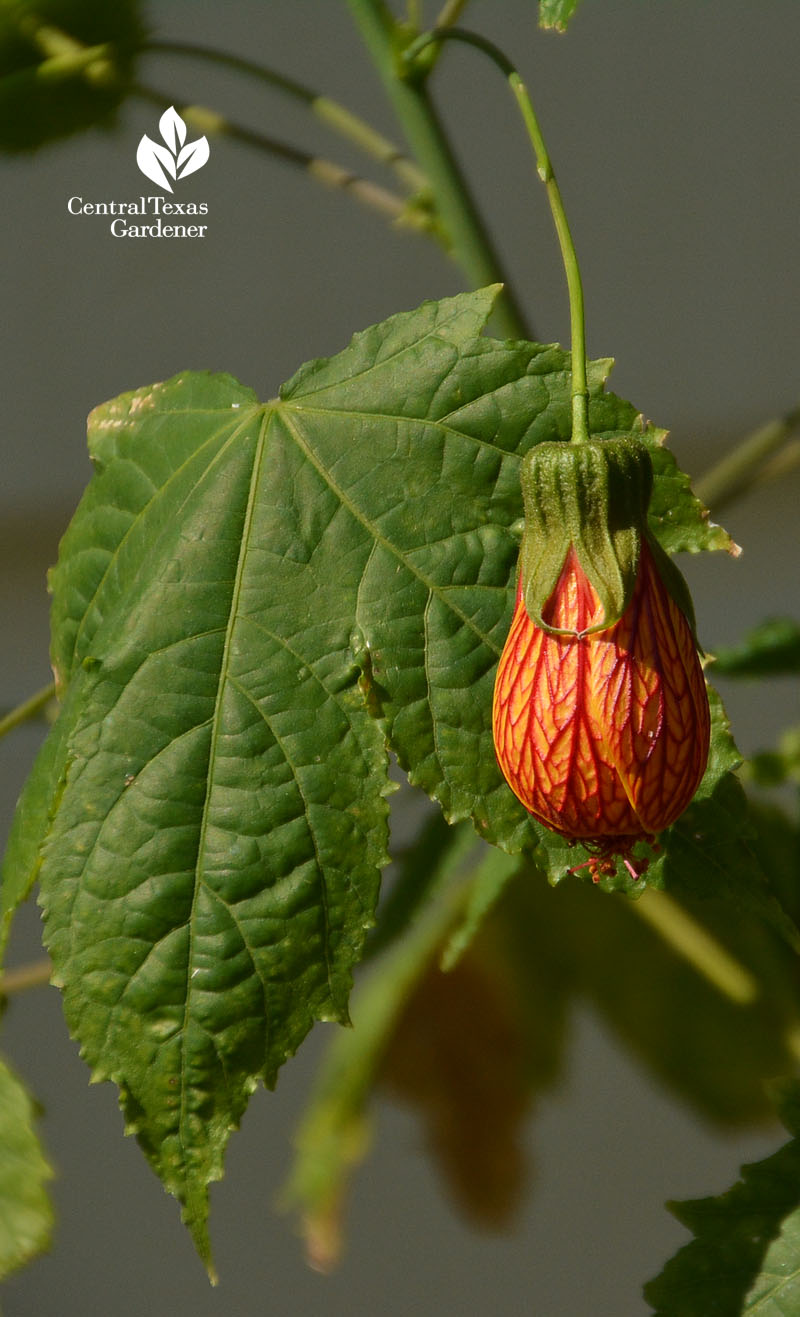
(675, 128)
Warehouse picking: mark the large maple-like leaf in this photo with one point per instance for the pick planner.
(250, 600)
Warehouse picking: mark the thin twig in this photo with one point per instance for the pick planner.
(31, 708)
(330, 111)
(327, 171)
(746, 465)
(34, 975)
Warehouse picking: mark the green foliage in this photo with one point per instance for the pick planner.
(49, 87)
(486, 887)
(469, 1050)
(709, 853)
(251, 601)
(771, 649)
(334, 1133)
(745, 1257)
(777, 848)
(556, 13)
(26, 1216)
(771, 768)
(712, 1051)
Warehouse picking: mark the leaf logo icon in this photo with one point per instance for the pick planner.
(176, 158)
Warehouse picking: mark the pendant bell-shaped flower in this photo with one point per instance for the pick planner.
(601, 717)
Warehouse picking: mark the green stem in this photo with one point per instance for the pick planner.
(739, 470)
(326, 171)
(25, 712)
(450, 14)
(331, 112)
(580, 388)
(470, 244)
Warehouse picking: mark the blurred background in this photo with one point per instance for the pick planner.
(675, 131)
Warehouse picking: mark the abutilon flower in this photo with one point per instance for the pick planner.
(601, 718)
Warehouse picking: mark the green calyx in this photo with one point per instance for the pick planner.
(591, 497)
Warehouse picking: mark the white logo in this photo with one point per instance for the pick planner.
(177, 158)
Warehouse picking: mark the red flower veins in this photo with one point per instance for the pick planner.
(603, 737)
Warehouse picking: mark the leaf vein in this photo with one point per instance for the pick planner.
(159, 492)
(318, 860)
(432, 586)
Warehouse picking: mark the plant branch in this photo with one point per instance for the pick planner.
(35, 975)
(326, 171)
(331, 112)
(30, 709)
(469, 240)
(748, 463)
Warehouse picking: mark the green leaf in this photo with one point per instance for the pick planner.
(712, 1050)
(771, 768)
(745, 1257)
(458, 1057)
(556, 13)
(26, 1215)
(777, 846)
(707, 853)
(212, 863)
(772, 649)
(250, 599)
(417, 876)
(486, 886)
(48, 89)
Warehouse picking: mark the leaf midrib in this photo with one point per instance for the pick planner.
(233, 616)
(159, 492)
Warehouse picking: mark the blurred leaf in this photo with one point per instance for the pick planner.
(712, 1051)
(438, 848)
(26, 1215)
(333, 1135)
(772, 649)
(771, 768)
(47, 90)
(556, 13)
(707, 852)
(746, 1254)
(486, 887)
(777, 846)
(458, 1056)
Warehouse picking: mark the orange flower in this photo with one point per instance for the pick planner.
(602, 734)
